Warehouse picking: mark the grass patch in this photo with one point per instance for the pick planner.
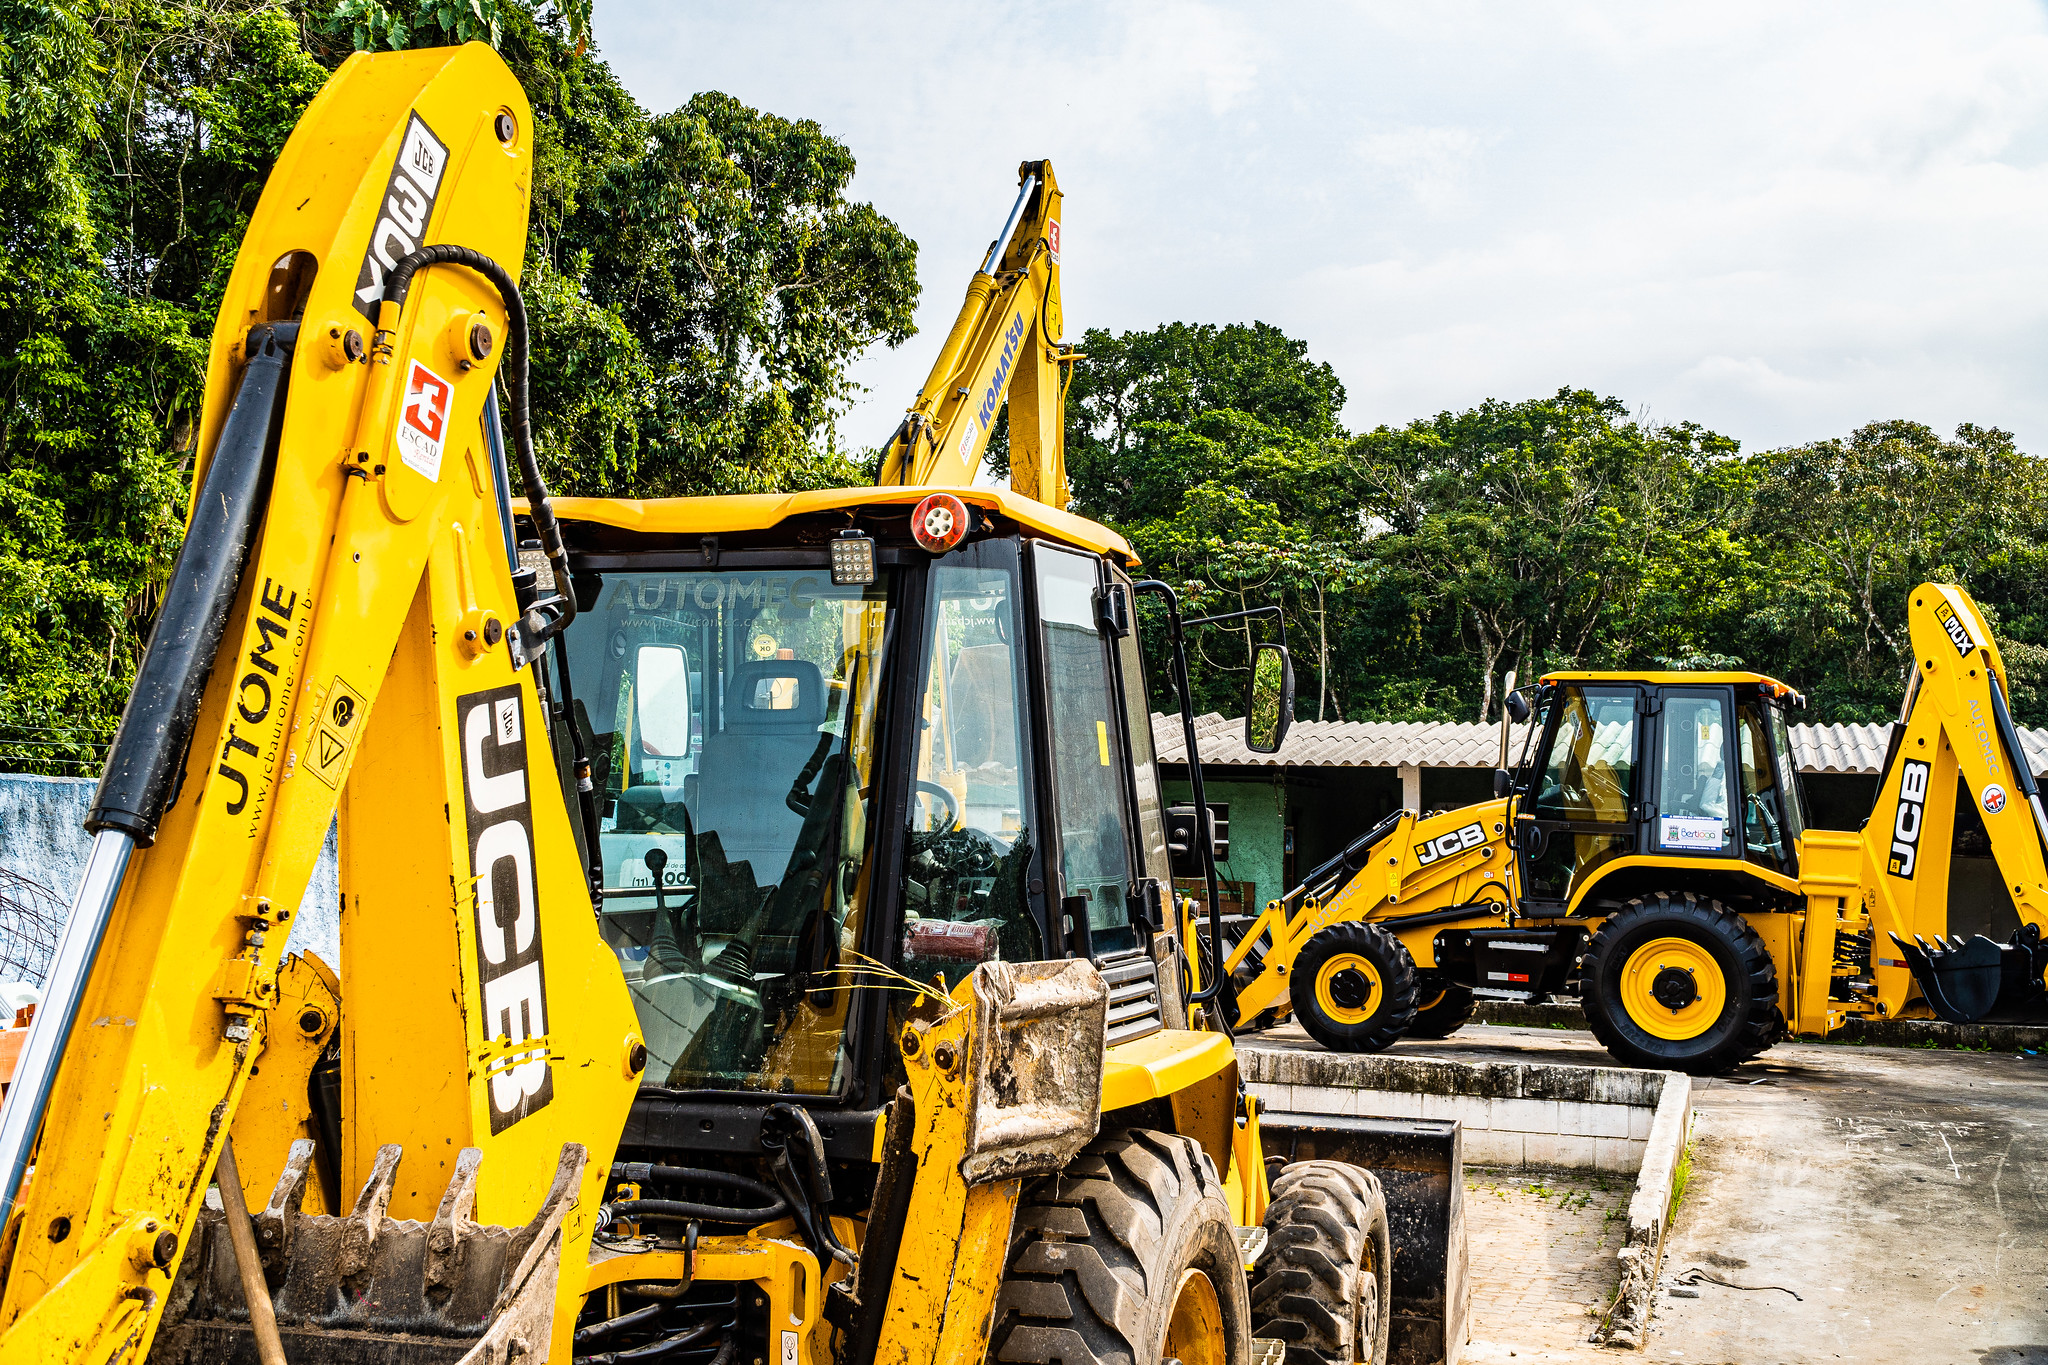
(1681, 1175)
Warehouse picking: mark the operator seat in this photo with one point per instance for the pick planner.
(773, 708)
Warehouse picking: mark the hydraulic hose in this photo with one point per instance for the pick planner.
(682, 1211)
(545, 618)
(550, 616)
(773, 1205)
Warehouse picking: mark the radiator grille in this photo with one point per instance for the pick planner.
(1133, 980)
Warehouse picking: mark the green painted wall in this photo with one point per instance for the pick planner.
(1257, 831)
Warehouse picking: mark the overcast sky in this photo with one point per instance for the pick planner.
(1779, 221)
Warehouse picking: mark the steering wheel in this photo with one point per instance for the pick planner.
(946, 803)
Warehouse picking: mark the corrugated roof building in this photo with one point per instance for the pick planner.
(1834, 749)
(1289, 810)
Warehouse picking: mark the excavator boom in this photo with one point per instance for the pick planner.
(342, 633)
(1004, 346)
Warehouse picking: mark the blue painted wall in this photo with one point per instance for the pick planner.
(43, 838)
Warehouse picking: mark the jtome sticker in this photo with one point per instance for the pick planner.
(1994, 799)
(507, 899)
(423, 422)
(407, 209)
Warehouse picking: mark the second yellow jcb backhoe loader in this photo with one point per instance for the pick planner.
(755, 941)
(1650, 853)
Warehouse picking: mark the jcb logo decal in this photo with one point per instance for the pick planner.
(1448, 845)
(507, 926)
(1912, 811)
(1957, 635)
(408, 206)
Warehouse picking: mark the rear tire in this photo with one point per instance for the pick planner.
(1353, 988)
(1679, 982)
(1128, 1251)
(1443, 1014)
(1324, 1283)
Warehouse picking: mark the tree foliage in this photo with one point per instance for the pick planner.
(698, 283)
(1416, 565)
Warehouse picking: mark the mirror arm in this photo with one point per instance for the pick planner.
(1218, 985)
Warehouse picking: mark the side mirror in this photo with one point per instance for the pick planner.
(1269, 707)
(1518, 708)
(661, 700)
(1503, 783)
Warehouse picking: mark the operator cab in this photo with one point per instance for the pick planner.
(1640, 770)
(833, 765)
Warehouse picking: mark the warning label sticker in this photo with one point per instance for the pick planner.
(334, 735)
(423, 425)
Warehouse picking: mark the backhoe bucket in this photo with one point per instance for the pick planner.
(367, 1288)
(1968, 981)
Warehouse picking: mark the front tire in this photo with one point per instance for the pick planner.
(1679, 982)
(1324, 1283)
(1353, 988)
(1128, 1255)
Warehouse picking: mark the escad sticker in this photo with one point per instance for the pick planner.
(1994, 798)
(423, 425)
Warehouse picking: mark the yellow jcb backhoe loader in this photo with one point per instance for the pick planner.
(755, 939)
(1651, 853)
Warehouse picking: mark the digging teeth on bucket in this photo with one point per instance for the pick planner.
(1966, 981)
(367, 1287)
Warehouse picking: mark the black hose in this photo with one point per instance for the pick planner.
(549, 617)
(645, 1173)
(680, 1211)
(667, 1346)
(625, 1322)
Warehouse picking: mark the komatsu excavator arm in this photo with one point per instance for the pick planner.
(346, 630)
(1004, 345)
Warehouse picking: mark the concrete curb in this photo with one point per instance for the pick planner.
(1919, 1033)
(1642, 1249)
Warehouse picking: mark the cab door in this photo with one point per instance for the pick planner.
(1102, 808)
(1691, 814)
(1581, 810)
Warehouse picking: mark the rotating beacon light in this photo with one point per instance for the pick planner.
(939, 523)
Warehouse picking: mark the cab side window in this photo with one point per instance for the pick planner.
(1766, 828)
(1087, 745)
(1692, 777)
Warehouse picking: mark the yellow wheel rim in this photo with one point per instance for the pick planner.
(1672, 988)
(1194, 1334)
(1348, 989)
(1430, 1003)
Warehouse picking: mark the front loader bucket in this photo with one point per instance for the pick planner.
(366, 1288)
(1968, 981)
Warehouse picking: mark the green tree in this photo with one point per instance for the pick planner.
(1851, 525)
(1174, 375)
(1537, 524)
(698, 283)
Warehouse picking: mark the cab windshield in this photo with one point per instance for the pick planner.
(730, 719)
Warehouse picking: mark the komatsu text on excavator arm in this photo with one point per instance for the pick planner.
(1004, 345)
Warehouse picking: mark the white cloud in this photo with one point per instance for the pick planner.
(1778, 221)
